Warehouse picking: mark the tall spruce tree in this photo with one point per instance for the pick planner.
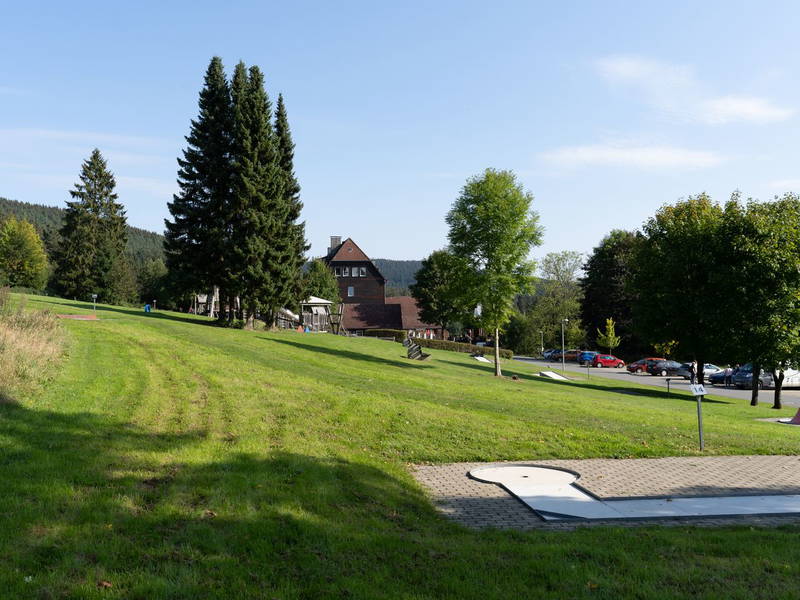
(93, 235)
(294, 231)
(196, 240)
(255, 189)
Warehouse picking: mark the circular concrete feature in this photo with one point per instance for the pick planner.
(529, 475)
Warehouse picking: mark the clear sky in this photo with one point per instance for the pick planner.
(605, 110)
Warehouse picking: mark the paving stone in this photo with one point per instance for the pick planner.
(483, 505)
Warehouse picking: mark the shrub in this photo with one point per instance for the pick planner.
(398, 335)
(461, 347)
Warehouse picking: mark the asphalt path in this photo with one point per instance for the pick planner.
(789, 397)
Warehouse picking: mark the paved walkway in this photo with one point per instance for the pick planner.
(482, 505)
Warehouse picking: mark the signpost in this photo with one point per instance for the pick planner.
(94, 302)
(699, 391)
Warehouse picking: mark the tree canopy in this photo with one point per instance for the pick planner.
(23, 262)
(492, 229)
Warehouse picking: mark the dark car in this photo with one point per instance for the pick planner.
(664, 367)
(548, 354)
(641, 365)
(586, 357)
(717, 378)
(743, 378)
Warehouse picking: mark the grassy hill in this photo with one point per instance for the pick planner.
(171, 459)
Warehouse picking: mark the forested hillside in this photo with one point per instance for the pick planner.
(399, 273)
(142, 244)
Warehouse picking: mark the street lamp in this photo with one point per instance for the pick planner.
(541, 332)
(563, 350)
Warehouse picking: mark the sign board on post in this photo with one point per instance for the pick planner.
(699, 391)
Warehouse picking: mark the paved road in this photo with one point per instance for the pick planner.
(788, 397)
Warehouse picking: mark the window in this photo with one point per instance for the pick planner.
(346, 271)
(354, 272)
(337, 271)
(351, 291)
(363, 271)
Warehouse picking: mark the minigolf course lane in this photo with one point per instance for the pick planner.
(553, 494)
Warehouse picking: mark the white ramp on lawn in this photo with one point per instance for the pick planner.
(553, 495)
(481, 359)
(552, 375)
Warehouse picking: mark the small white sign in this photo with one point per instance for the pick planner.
(698, 389)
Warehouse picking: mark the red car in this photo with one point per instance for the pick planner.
(640, 366)
(607, 360)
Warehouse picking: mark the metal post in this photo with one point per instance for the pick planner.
(563, 360)
(541, 344)
(668, 380)
(700, 421)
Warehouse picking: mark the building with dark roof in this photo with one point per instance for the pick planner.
(362, 288)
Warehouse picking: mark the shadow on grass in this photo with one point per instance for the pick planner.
(649, 392)
(85, 499)
(137, 312)
(350, 354)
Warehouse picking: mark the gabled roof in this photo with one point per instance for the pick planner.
(409, 312)
(347, 250)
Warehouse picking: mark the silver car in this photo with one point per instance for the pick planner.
(708, 370)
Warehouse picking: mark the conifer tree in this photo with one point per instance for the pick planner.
(289, 270)
(93, 235)
(255, 188)
(196, 238)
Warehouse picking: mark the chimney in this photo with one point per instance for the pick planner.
(336, 241)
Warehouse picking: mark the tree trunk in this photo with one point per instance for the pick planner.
(776, 401)
(754, 383)
(497, 372)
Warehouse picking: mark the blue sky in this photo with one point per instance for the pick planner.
(605, 110)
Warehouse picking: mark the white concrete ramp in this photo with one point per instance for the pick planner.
(553, 495)
(552, 375)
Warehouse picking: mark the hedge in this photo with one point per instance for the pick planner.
(461, 347)
(397, 334)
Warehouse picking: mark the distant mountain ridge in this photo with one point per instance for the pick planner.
(144, 245)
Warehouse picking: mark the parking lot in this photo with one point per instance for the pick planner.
(789, 397)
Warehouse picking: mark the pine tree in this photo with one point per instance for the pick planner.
(91, 238)
(196, 239)
(289, 271)
(112, 268)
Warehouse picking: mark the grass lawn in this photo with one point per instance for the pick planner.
(171, 459)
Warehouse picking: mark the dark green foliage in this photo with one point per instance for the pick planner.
(398, 335)
(460, 347)
(91, 256)
(398, 273)
(319, 281)
(196, 238)
(256, 187)
(441, 292)
(287, 271)
(606, 293)
(141, 246)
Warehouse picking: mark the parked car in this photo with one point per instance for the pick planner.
(717, 378)
(571, 354)
(607, 360)
(743, 379)
(640, 366)
(664, 367)
(586, 357)
(548, 354)
(555, 355)
(708, 370)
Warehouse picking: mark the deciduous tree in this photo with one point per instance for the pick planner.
(492, 229)
(23, 261)
(441, 290)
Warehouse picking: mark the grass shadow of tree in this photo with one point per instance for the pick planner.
(352, 355)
